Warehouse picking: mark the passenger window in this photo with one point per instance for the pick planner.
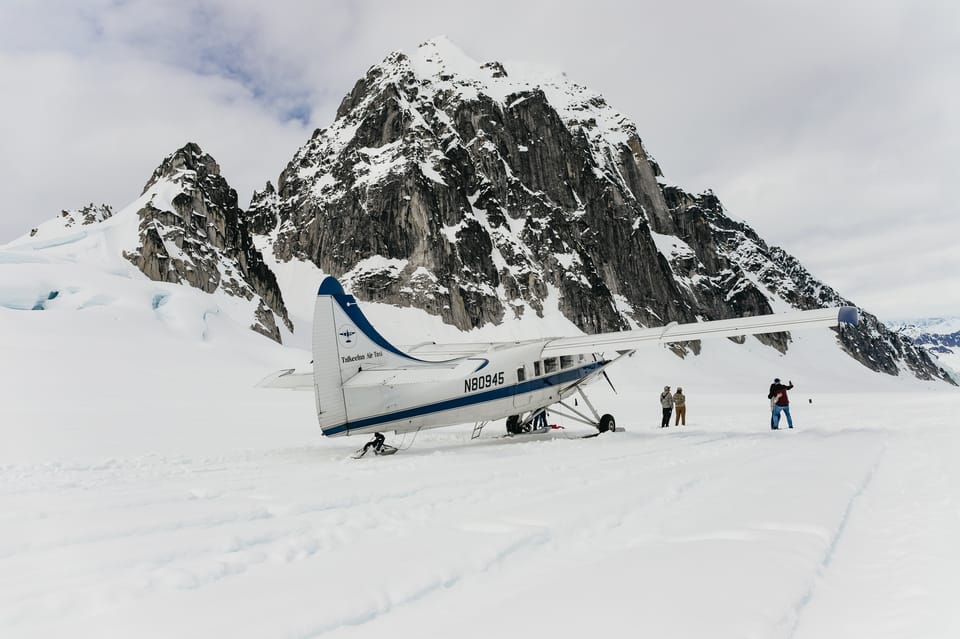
(521, 374)
(566, 361)
(536, 369)
(550, 365)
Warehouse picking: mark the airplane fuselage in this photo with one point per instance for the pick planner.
(509, 380)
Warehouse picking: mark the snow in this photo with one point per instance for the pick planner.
(148, 489)
(430, 172)
(930, 325)
(381, 162)
(376, 264)
(670, 246)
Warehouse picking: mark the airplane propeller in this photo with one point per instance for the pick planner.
(604, 373)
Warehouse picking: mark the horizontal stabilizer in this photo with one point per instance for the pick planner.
(287, 378)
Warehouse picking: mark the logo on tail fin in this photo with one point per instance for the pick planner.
(345, 334)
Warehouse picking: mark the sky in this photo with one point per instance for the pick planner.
(831, 128)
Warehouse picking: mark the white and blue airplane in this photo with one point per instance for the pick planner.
(363, 384)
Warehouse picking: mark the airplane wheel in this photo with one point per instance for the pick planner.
(513, 424)
(607, 423)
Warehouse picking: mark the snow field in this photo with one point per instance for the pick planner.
(148, 489)
(725, 531)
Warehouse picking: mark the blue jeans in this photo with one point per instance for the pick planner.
(775, 417)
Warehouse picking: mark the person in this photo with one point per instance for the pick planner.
(666, 402)
(680, 401)
(376, 444)
(540, 421)
(780, 402)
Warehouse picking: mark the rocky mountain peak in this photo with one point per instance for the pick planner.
(262, 213)
(490, 188)
(482, 193)
(188, 166)
(191, 231)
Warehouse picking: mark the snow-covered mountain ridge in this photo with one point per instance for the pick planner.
(481, 191)
(185, 228)
(939, 336)
(483, 194)
(927, 326)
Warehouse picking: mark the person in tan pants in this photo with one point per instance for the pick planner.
(680, 404)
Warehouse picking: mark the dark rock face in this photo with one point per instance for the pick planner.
(481, 206)
(192, 231)
(469, 192)
(263, 210)
(871, 343)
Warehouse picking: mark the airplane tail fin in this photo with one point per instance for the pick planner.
(327, 377)
(344, 343)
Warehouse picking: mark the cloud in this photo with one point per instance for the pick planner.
(893, 271)
(95, 132)
(831, 128)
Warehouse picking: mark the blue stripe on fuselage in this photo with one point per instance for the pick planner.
(468, 400)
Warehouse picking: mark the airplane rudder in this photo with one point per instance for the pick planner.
(327, 368)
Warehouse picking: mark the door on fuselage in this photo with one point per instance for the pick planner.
(522, 400)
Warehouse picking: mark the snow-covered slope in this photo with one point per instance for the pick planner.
(184, 228)
(147, 489)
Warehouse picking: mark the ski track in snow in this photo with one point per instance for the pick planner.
(158, 524)
(796, 613)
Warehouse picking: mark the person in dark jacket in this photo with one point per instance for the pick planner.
(666, 403)
(781, 403)
(540, 421)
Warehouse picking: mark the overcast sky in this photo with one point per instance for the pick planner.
(833, 128)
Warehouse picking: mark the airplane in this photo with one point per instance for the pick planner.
(365, 385)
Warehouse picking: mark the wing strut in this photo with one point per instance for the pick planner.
(477, 429)
(579, 416)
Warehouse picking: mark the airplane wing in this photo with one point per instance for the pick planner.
(673, 332)
(615, 341)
